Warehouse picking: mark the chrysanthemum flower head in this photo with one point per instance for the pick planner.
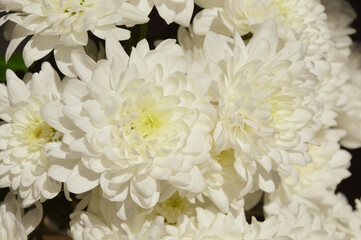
(348, 111)
(14, 224)
(25, 134)
(297, 20)
(64, 25)
(173, 219)
(299, 221)
(328, 168)
(267, 112)
(141, 124)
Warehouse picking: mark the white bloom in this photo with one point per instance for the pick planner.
(330, 214)
(328, 168)
(63, 25)
(303, 20)
(339, 216)
(299, 221)
(330, 91)
(13, 223)
(99, 220)
(217, 226)
(266, 107)
(349, 114)
(340, 15)
(141, 124)
(172, 219)
(24, 135)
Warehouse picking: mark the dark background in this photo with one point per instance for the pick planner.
(351, 187)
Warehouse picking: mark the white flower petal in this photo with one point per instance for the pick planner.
(82, 179)
(38, 47)
(62, 55)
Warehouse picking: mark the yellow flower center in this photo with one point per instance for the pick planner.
(282, 6)
(147, 123)
(34, 132)
(225, 157)
(172, 208)
(38, 133)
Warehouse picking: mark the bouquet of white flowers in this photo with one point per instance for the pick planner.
(232, 130)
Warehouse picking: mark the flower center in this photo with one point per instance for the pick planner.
(172, 208)
(38, 133)
(34, 132)
(147, 123)
(282, 6)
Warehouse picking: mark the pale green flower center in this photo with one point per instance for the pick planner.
(172, 208)
(38, 133)
(282, 6)
(147, 123)
(225, 157)
(34, 132)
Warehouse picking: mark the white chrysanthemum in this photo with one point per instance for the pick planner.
(340, 15)
(329, 92)
(303, 20)
(338, 215)
(172, 219)
(328, 168)
(328, 212)
(24, 134)
(266, 107)
(349, 113)
(141, 124)
(62, 25)
(99, 220)
(217, 226)
(299, 221)
(13, 223)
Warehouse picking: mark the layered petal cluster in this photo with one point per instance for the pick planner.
(331, 91)
(349, 115)
(303, 20)
(24, 134)
(138, 125)
(176, 218)
(340, 15)
(14, 224)
(64, 25)
(299, 221)
(267, 112)
(328, 168)
(213, 225)
(99, 218)
(328, 218)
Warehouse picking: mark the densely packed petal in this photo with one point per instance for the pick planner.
(141, 124)
(14, 224)
(24, 134)
(303, 20)
(64, 25)
(267, 112)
